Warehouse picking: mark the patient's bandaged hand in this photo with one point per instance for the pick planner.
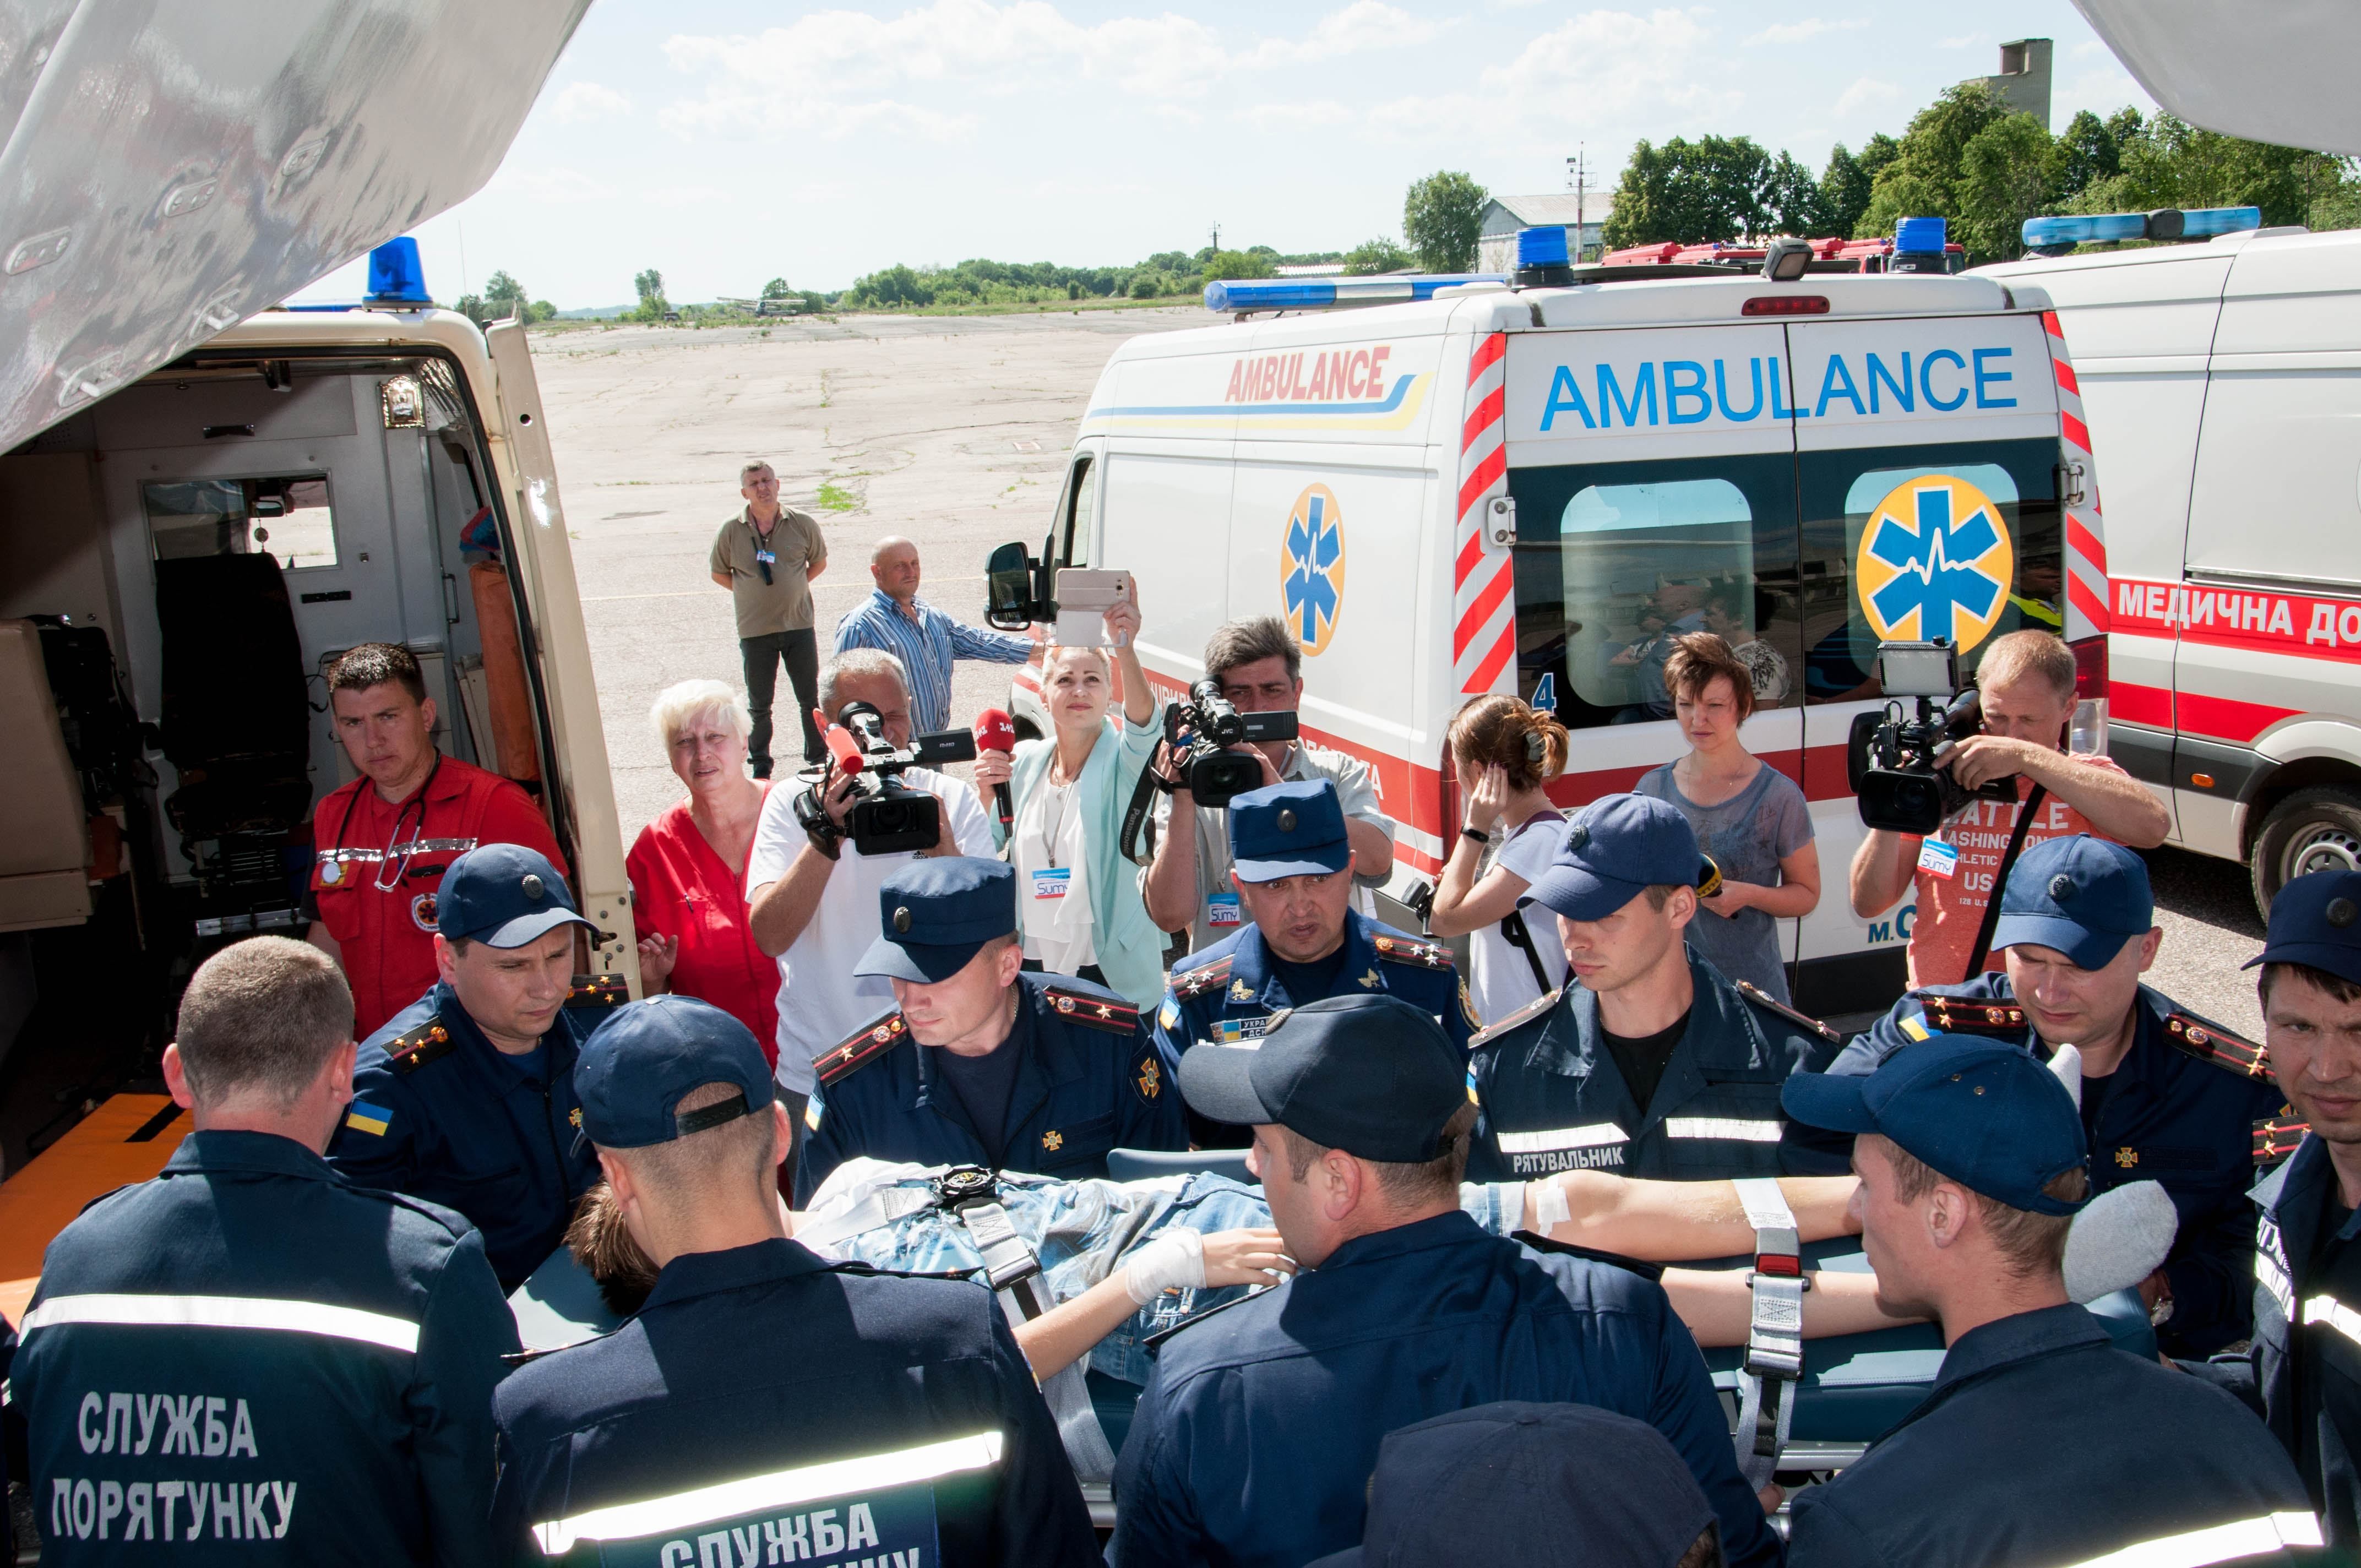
(2119, 1239)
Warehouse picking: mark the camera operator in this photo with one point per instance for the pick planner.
(812, 896)
(1259, 669)
(2026, 682)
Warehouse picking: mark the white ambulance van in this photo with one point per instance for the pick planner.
(2223, 380)
(1495, 490)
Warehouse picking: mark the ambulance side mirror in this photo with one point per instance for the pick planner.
(1008, 602)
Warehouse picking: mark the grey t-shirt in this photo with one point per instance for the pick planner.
(1747, 834)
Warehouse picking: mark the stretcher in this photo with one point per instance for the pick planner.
(129, 1139)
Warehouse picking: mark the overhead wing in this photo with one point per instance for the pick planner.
(2276, 71)
(169, 167)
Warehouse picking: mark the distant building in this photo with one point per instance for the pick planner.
(2024, 81)
(1495, 250)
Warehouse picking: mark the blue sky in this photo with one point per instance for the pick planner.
(726, 142)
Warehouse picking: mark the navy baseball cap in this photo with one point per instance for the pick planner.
(503, 895)
(1613, 850)
(2081, 895)
(1489, 1484)
(2316, 922)
(936, 913)
(645, 1056)
(1289, 829)
(1369, 1074)
(1986, 1114)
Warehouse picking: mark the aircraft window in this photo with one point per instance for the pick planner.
(286, 516)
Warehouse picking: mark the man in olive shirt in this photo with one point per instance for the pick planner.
(766, 556)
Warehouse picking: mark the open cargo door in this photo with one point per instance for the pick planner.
(170, 169)
(2280, 72)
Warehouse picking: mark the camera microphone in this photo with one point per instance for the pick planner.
(840, 744)
(995, 731)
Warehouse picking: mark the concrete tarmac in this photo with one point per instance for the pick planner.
(954, 431)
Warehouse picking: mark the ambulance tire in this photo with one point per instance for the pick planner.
(2311, 830)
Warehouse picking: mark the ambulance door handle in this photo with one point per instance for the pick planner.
(2074, 486)
(450, 600)
(1501, 521)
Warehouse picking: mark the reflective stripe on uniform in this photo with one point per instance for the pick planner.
(2273, 1278)
(779, 1489)
(2336, 1314)
(2216, 1543)
(1555, 1138)
(1739, 1127)
(226, 1312)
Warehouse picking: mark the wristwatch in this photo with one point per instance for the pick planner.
(813, 819)
(1483, 838)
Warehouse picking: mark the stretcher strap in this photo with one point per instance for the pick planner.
(1774, 1331)
(1016, 1274)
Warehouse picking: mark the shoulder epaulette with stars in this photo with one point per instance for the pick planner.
(1094, 1011)
(1195, 982)
(872, 1040)
(413, 1049)
(1407, 950)
(596, 992)
(2275, 1137)
(1769, 1004)
(1969, 1016)
(2208, 1041)
(1525, 1015)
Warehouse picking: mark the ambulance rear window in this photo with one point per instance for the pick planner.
(285, 515)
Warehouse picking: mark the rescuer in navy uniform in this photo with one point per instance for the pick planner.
(2303, 1368)
(249, 1357)
(982, 1063)
(753, 1362)
(1254, 1443)
(1649, 1062)
(2165, 1095)
(1292, 867)
(466, 1097)
(2041, 1442)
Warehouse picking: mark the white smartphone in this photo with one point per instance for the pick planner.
(1083, 598)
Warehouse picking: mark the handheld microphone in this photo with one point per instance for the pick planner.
(840, 744)
(995, 731)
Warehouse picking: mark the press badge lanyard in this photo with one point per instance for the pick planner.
(396, 854)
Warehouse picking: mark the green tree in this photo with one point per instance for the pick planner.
(776, 288)
(1237, 264)
(1443, 217)
(1923, 178)
(1716, 188)
(2085, 151)
(2006, 172)
(505, 296)
(653, 304)
(472, 307)
(542, 311)
(2170, 163)
(1793, 199)
(1845, 184)
(1375, 256)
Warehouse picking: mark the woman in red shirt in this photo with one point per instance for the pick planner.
(688, 866)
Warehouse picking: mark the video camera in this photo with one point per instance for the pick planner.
(1900, 768)
(888, 815)
(1207, 768)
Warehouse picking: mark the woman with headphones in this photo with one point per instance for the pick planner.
(1504, 753)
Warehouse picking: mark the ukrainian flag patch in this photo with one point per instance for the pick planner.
(363, 1117)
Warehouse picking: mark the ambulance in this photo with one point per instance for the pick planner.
(1483, 487)
(2222, 377)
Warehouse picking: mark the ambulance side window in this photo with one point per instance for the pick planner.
(286, 516)
(1962, 539)
(1615, 560)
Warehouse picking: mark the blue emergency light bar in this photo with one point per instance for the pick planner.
(1327, 294)
(2057, 235)
(395, 277)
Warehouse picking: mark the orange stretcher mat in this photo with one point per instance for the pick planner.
(126, 1139)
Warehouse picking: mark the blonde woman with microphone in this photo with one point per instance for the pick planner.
(1080, 907)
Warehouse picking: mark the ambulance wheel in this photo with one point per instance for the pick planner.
(2316, 830)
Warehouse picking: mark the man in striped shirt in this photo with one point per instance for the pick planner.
(894, 618)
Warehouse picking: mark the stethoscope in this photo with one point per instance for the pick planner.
(397, 854)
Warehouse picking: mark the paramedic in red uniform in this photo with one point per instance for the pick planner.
(382, 842)
(2027, 682)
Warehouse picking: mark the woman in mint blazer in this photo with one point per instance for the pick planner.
(1078, 902)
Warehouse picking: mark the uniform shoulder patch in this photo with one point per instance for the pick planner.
(1523, 1015)
(1769, 1004)
(1188, 984)
(413, 1049)
(1093, 1012)
(871, 1040)
(1411, 950)
(598, 993)
(1971, 1015)
(2277, 1137)
(2208, 1041)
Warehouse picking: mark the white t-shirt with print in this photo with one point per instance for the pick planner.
(821, 1002)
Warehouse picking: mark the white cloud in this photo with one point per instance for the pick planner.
(682, 195)
(583, 101)
(1962, 41)
(1809, 28)
(1867, 93)
(1362, 25)
(541, 184)
(1298, 116)
(1608, 63)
